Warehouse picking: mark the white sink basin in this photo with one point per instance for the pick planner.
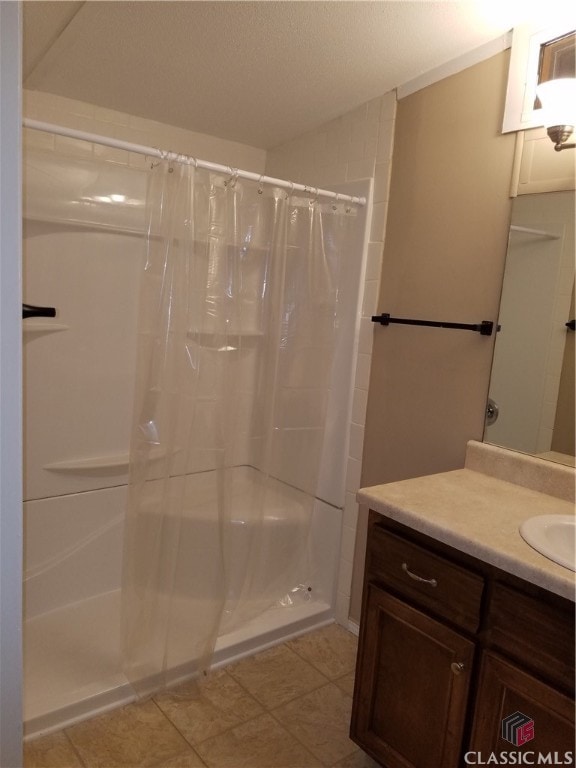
(553, 536)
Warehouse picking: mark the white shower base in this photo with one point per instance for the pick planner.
(72, 640)
(73, 668)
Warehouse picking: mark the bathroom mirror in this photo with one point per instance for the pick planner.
(531, 396)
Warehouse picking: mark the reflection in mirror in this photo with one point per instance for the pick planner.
(532, 381)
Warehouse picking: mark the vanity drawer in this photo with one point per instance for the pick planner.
(536, 632)
(424, 578)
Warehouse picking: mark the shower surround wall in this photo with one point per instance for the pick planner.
(69, 534)
(356, 145)
(120, 125)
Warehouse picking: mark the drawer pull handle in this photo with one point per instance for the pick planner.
(432, 582)
(457, 667)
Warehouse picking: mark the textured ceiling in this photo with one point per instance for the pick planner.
(255, 72)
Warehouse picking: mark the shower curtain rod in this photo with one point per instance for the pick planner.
(140, 149)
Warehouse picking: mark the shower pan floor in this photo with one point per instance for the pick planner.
(72, 664)
(73, 667)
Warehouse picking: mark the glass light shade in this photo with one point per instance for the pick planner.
(558, 99)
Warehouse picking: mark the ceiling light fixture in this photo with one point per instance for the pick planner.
(558, 99)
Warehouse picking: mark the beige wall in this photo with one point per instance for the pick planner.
(444, 254)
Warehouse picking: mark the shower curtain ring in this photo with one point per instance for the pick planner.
(314, 198)
(260, 185)
(233, 177)
(156, 163)
(289, 194)
(335, 203)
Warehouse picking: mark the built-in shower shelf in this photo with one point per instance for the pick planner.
(94, 463)
(228, 335)
(114, 463)
(225, 342)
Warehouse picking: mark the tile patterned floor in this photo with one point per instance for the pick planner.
(287, 707)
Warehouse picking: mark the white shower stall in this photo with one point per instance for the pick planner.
(86, 245)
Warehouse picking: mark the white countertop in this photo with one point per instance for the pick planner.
(477, 514)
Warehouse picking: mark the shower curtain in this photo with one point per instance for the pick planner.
(237, 332)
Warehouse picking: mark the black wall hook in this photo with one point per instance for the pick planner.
(29, 310)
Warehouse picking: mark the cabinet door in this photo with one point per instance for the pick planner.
(503, 691)
(411, 686)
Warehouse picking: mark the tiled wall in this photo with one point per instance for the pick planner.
(119, 125)
(357, 145)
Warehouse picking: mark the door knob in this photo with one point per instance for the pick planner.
(457, 667)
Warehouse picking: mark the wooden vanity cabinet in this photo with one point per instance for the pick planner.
(528, 667)
(447, 646)
(409, 705)
(503, 689)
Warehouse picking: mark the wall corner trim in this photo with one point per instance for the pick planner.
(456, 65)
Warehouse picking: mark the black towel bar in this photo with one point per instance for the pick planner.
(484, 328)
